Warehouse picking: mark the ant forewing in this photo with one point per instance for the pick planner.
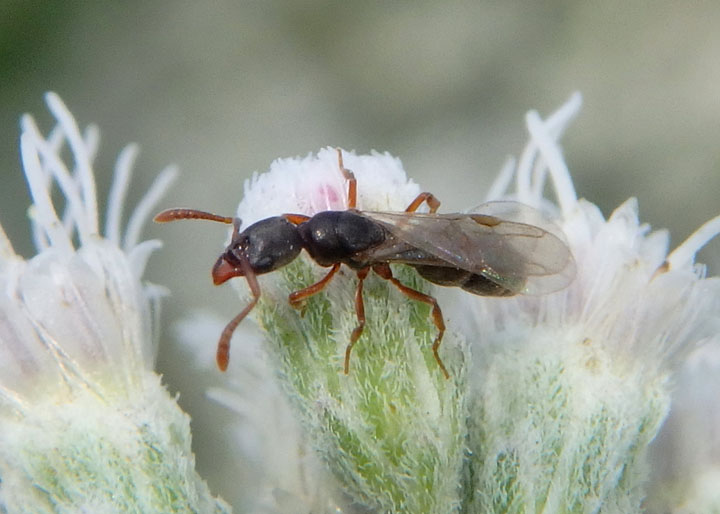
(509, 243)
(501, 249)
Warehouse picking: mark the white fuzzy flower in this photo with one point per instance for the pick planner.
(572, 387)
(85, 424)
(552, 402)
(686, 456)
(308, 350)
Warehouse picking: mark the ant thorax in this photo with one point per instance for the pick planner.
(339, 236)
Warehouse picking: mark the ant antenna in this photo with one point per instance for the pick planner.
(223, 349)
(192, 214)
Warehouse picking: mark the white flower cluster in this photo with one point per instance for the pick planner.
(553, 402)
(85, 425)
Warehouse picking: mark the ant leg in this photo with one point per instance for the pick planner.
(385, 272)
(296, 219)
(297, 297)
(360, 311)
(352, 182)
(223, 349)
(432, 202)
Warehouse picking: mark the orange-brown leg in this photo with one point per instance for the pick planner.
(385, 272)
(432, 202)
(223, 349)
(298, 297)
(360, 311)
(352, 182)
(296, 219)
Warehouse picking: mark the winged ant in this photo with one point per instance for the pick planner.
(499, 250)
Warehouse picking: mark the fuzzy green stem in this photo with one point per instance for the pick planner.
(393, 429)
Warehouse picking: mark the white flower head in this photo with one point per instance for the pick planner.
(307, 348)
(686, 456)
(562, 394)
(85, 424)
(314, 184)
(573, 386)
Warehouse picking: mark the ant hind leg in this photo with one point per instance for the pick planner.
(360, 311)
(384, 271)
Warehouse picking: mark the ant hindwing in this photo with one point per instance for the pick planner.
(498, 250)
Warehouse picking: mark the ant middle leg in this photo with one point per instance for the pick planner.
(360, 311)
(352, 181)
(432, 201)
(384, 271)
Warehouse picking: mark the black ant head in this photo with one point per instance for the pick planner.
(261, 248)
(264, 246)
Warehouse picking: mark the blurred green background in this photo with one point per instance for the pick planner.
(223, 88)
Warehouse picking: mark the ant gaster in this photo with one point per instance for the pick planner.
(485, 254)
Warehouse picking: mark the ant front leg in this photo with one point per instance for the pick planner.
(223, 349)
(385, 272)
(298, 297)
(296, 219)
(352, 181)
(433, 203)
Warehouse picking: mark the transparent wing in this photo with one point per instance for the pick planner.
(507, 242)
